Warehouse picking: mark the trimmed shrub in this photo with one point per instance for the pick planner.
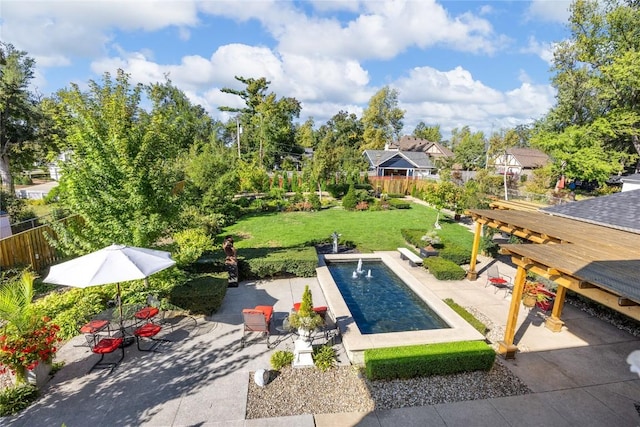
(349, 201)
(456, 254)
(414, 235)
(443, 269)
(200, 295)
(301, 262)
(429, 359)
(192, 243)
(399, 204)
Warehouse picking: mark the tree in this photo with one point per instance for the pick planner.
(268, 132)
(382, 120)
(469, 148)
(122, 175)
(21, 120)
(598, 88)
(337, 151)
(430, 133)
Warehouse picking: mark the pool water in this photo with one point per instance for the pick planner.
(382, 303)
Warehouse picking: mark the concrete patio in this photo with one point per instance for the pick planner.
(578, 376)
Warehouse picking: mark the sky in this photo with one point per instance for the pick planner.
(482, 64)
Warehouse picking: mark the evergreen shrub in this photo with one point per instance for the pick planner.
(444, 269)
(428, 359)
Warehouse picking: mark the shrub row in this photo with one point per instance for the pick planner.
(399, 204)
(455, 253)
(428, 359)
(444, 269)
(414, 236)
(301, 262)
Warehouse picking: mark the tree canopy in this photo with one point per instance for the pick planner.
(597, 116)
(382, 120)
(122, 175)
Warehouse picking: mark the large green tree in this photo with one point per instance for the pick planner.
(22, 123)
(430, 133)
(382, 119)
(268, 132)
(122, 177)
(468, 148)
(595, 125)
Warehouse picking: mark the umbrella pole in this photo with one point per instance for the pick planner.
(125, 339)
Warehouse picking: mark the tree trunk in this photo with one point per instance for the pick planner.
(5, 173)
(636, 144)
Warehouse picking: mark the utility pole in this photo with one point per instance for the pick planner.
(238, 131)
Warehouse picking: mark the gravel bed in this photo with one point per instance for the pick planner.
(297, 391)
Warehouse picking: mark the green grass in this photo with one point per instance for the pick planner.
(470, 318)
(369, 230)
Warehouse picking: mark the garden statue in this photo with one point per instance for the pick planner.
(335, 237)
(231, 261)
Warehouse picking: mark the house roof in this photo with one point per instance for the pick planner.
(410, 143)
(419, 159)
(441, 150)
(529, 157)
(620, 211)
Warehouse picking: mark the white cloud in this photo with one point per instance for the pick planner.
(549, 10)
(55, 31)
(454, 99)
(542, 50)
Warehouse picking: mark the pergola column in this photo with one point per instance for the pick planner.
(472, 274)
(506, 347)
(553, 322)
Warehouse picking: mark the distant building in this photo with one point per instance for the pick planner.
(411, 143)
(394, 163)
(519, 161)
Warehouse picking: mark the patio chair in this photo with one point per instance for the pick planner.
(91, 329)
(106, 345)
(148, 332)
(151, 313)
(500, 281)
(257, 320)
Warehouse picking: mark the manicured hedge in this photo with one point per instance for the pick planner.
(301, 262)
(443, 269)
(429, 359)
(456, 254)
(414, 236)
(399, 204)
(470, 318)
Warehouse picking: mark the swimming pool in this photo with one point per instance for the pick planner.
(355, 342)
(379, 300)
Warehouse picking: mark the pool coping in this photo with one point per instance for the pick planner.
(355, 343)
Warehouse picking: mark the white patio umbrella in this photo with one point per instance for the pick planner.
(113, 264)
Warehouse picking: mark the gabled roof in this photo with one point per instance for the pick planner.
(529, 157)
(419, 159)
(409, 143)
(620, 211)
(440, 150)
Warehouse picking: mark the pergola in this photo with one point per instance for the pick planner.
(593, 260)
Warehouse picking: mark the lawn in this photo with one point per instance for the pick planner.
(368, 230)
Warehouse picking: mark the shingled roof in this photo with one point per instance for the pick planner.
(620, 211)
(529, 157)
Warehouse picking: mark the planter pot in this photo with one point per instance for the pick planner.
(529, 300)
(38, 376)
(428, 251)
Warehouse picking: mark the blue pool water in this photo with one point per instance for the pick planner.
(382, 303)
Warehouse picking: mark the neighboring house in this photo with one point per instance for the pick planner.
(55, 169)
(411, 143)
(520, 161)
(416, 164)
(631, 182)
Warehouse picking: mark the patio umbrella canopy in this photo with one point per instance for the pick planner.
(113, 264)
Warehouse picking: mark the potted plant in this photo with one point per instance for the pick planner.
(431, 239)
(534, 294)
(305, 319)
(27, 339)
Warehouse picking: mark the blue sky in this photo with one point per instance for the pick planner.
(484, 64)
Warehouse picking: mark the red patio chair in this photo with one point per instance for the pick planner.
(148, 332)
(107, 345)
(258, 320)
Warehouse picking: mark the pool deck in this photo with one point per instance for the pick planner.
(579, 376)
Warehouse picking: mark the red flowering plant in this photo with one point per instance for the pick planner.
(20, 351)
(26, 337)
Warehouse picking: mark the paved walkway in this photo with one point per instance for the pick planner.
(579, 376)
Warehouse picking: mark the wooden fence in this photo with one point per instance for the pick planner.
(398, 185)
(29, 248)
